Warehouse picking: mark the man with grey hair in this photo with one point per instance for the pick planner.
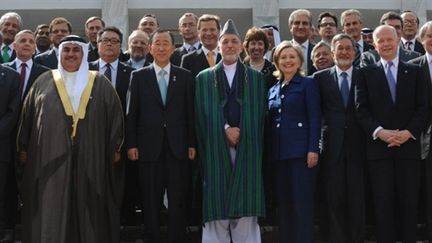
(343, 151)
(425, 63)
(321, 56)
(10, 24)
(300, 25)
(138, 43)
(352, 25)
(188, 29)
(409, 33)
(393, 109)
(70, 135)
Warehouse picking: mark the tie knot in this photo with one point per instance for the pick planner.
(389, 64)
(344, 75)
(107, 65)
(162, 73)
(23, 65)
(6, 48)
(191, 48)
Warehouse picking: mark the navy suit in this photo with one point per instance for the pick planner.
(9, 111)
(394, 171)
(47, 59)
(295, 124)
(372, 56)
(196, 61)
(35, 71)
(162, 134)
(342, 158)
(426, 150)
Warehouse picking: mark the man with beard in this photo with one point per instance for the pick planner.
(10, 24)
(189, 31)
(343, 152)
(321, 56)
(58, 28)
(43, 43)
(70, 135)
(138, 42)
(92, 26)
(230, 107)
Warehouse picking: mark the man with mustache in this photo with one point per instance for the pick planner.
(321, 56)
(10, 24)
(138, 42)
(43, 42)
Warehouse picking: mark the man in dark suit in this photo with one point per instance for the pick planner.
(160, 135)
(299, 23)
(207, 56)
(409, 33)
(43, 42)
(392, 19)
(9, 111)
(59, 28)
(92, 26)
(392, 107)
(352, 25)
(25, 46)
(425, 63)
(10, 24)
(138, 43)
(188, 29)
(109, 43)
(343, 152)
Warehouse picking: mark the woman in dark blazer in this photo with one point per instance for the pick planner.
(255, 46)
(295, 124)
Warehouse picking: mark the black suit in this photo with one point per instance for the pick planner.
(9, 111)
(394, 171)
(427, 151)
(12, 57)
(122, 80)
(357, 59)
(196, 61)
(35, 71)
(47, 59)
(176, 57)
(93, 53)
(372, 56)
(162, 134)
(418, 47)
(342, 159)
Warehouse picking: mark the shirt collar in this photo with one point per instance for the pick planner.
(157, 68)
(187, 45)
(18, 63)
(114, 64)
(348, 72)
(304, 44)
(207, 50)
(428, 57)
(395, 62)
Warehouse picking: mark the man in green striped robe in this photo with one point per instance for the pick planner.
(230, 109)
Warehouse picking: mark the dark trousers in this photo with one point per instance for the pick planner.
(8, 198)
(395, 189)
(131, 198)
(294, 194)
(345, 200)
(428, 194)
(173, 175)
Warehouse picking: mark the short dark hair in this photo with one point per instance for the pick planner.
(93, 18)
(41, 26)
(161, 31)
(112, 29)
(410, 11)
(390, 16)
(60, 20)
(255, 34)
(209, 17)
(327, 14)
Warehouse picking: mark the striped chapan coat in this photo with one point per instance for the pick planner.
(230, 191)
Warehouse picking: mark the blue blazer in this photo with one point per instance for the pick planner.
(294, 118)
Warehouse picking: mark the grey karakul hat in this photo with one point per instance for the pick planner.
(229, 28)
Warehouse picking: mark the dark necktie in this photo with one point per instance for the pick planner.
(108, 71)
(23, 77)
(391, 81)
(191, 49)
(408, 45)
(5, 54)
(344, 88)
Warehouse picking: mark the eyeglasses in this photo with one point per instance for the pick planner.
(112, 41)
(327, 24)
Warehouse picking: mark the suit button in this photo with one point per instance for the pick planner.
(164, 124)
(280, 110)
(299, 124)
(278, 125)
(282, 96)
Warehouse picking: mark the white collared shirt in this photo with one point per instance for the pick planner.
(114, 68)
(230, 71)
(393, 69)
(413, 41)
(349, 76)
(11, 49)
(186, 46)
(206, 51)
(361, 44)
(305, 49)
(167, 69)
(429, 61)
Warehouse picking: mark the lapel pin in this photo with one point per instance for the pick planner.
(406, 71)
(174, 78)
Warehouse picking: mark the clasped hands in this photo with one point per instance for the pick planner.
(394, 138)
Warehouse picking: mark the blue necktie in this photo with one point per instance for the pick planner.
(391, 81)
(162, 85)
(108, 71)
(344, 88)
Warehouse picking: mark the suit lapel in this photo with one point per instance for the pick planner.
(381, 75)
(172, 83)
(334, 86)
(153, 83)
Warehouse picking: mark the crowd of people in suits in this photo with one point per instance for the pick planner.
(236, 126)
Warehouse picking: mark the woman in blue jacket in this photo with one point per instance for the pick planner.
(295, 124)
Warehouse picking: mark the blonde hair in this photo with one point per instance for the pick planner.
(284, 45)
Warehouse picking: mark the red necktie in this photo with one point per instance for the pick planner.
(23, 77)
